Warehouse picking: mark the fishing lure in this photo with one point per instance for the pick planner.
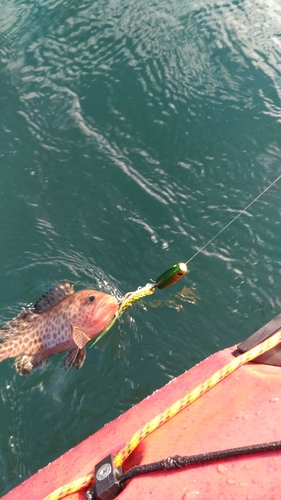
(168, 278)
(171, 276)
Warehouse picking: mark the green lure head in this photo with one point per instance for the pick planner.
(171, 276)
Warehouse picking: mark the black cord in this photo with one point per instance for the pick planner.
(178, 462)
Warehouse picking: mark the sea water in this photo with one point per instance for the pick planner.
(131, 133)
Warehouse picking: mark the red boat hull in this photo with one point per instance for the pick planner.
(243, 409)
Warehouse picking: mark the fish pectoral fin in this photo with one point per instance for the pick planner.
(76, 357)
(80, 338)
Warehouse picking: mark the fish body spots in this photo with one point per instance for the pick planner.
(47, 329)
(49, 333)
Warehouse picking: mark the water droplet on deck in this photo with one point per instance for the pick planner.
(248, 466)
(273, 400)
(190, 495)
(231, 481)
(222, 468)
(259, 412)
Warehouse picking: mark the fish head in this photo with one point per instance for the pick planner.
(94, 311)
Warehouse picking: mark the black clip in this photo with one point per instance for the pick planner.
(106, 485)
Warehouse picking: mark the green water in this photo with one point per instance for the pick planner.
(130, 134)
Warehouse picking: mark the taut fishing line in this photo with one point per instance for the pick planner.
(173, 274)
(236, 217)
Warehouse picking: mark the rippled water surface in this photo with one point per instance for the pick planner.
(130, 134)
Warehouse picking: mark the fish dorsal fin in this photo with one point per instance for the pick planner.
(55, 295)
(18, 325)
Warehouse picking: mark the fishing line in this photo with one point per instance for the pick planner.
(236, 217)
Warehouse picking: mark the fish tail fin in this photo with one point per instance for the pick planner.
(26, 364)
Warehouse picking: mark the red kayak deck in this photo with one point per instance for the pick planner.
(243, 409)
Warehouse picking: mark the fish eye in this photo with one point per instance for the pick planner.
(91, 298)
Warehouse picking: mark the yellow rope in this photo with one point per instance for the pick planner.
(73, 487)
(193, 395)
(170, 412)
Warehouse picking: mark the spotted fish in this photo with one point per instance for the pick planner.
(62, 320)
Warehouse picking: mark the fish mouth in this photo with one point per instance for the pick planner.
(104, 313)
